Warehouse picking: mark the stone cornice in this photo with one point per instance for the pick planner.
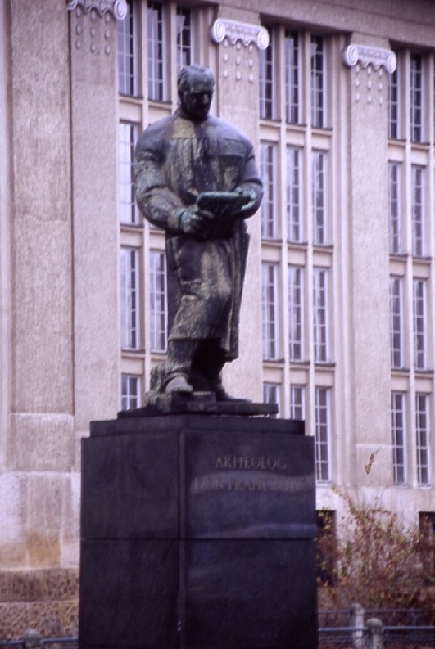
(116, 7)
(235, 31)
(375, 56)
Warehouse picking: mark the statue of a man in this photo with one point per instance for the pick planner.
(196, 178)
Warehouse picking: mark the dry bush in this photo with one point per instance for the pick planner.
(377, 562)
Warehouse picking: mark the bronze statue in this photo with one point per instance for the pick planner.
(196, 178)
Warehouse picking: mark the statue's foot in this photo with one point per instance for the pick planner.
(179, 384)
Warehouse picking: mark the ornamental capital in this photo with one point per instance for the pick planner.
(235, 31)
(365, 55)
(116, 7)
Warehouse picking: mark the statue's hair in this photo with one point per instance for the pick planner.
(186, 72)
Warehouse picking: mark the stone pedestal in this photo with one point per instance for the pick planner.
(197, 532)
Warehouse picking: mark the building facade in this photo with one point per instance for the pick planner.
(337, 322)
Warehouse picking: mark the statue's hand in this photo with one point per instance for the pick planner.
(248, 194)
(196, 221)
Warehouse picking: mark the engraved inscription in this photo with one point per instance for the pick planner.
(255, 481)
(250, 462)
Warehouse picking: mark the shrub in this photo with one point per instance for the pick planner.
(377, 562)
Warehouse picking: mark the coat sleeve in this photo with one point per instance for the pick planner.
(251, 181)
(156, 201)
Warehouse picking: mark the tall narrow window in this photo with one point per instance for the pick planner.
(322, 433)
(158, 311)
(320, 315)
(394, 104)
(156, 52)
(318, 82)
(294, 194)
(398, 434)
(270, 311)
(417, 98)
(292, 77)
(296, 313)
(420, 328)
(297, 402)
(422, 439)
(129, 273)
(395, 207)
(127, 139)
(396, 322)
(271, 393)
(417, 210)
(267, 82)
(127, 53)
(269, 204)
(319, 198)
(130, 392)
(184, 37)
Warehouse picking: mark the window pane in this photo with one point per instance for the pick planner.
(270, 311)
(294, 194)
(267, 82)
(296, 313)
(318, 82)
(395, 207)
(156, 52)
(159, 311)
(297, 402)
(394, 103)
(127, 57)
(269, 204)
(420, 356)
(292, 76)
(129, 275)
(417, 210)
(130, 392)
(322, 436)
(398, 433)
(396, 322)
(416, 104)
(271, 394)
(184, 37)
(320, 315)
(319, 198)
(422, 439)
(127, 140)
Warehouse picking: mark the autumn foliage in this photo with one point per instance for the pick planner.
(376, 561)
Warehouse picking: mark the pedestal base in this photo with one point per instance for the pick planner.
(198, 532)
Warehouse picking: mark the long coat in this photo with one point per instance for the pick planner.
(175, 161)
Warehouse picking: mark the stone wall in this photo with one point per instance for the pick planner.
(46, 600)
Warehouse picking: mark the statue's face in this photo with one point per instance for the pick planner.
(196, 96)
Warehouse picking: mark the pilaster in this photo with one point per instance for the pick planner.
(369, 66)
(94, 197)
(41, 262)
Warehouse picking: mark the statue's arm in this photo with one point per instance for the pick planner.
(251, 183)
(160, 205)
(156, 201)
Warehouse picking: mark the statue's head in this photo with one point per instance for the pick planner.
(195, 90)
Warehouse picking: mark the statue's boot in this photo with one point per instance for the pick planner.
(207, 365)
(178, 366)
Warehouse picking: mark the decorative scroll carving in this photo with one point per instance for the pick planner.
(375, 56)
(235, 31)
(116, 7)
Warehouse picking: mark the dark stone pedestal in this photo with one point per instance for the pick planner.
(197, 533)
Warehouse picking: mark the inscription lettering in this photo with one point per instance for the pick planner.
(254, 482)
(247, 462)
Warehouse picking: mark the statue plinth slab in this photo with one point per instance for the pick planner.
(199, 403)
(198, 532)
